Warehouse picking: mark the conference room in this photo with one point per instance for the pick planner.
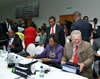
(49, 39)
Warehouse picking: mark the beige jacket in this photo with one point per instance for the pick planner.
(85, 55)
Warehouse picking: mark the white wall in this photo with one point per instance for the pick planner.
(56, 8)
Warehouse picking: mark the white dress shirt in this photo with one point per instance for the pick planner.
(8, 26)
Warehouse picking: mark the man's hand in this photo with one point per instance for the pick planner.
(12, 46)
(63, 62)
(97, 55)
(46, 59)
(81, 66)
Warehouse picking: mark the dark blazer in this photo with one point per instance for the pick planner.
(17, 44)
(59, 33)
(4, 27)
(96, 44)
(84, 27)
(2, 35)
(3, 38)
(96, 33)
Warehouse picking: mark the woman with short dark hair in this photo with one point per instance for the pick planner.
(53, 51)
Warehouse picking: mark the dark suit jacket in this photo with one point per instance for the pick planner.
(3, 38)
(96, 44)
(4, 27)
(2, 35)
(59, 33)
(84, 27)
(17, 44)
(96, 33)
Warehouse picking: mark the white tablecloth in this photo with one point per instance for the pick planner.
(5, 73)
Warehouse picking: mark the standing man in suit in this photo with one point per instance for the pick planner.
(57, 30)
(86, 18)
(81, 25)
(5, 26)
(3, 39)
(79, 52)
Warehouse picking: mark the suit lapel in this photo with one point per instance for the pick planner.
(14, 40)
(56, 29)
(70, 50)
(49, 30)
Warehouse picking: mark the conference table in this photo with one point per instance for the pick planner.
(55, 73)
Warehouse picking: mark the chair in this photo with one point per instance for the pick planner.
(30, 49)
(20, 29)
(38, 50)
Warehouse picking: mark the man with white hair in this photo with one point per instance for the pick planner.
(79, 52)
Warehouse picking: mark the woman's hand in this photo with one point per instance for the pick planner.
(46, 59)
(31, 56)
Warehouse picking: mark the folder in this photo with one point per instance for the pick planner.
(71, 67)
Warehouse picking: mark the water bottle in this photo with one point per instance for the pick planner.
(16, 61)
(10, 63)
(8, 58)
(4, 49)
(41, 72)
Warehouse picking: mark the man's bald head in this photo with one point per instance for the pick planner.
(11, 33)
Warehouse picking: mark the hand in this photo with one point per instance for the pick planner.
(81, 66)
(63, 62)
(11, 46)
(91, 37)
(30, 56)
(46, 59)
(99, 77)
(97, 55)
(41, 45)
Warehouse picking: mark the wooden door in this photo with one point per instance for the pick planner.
(28, 21)
(66, 17)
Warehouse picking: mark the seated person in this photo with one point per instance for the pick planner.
(52, 53)
(96, 47)
(15, 43)
(42, 37)
(79, 52)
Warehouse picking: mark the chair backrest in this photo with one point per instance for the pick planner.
(30, 49)
(20, 29)
(38, 50)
